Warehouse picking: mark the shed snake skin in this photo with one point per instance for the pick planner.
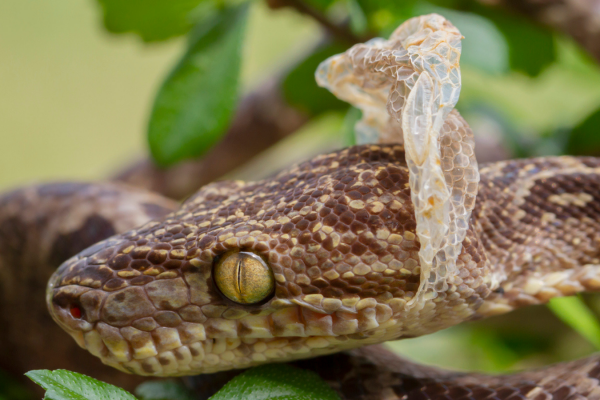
(372, 243)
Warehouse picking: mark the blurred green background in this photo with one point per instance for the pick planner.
(75, 99)
(75, 102)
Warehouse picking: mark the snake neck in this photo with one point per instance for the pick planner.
(538, 221)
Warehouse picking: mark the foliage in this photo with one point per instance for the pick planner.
(584, 138)
(11, 390)
(273, 382)
(67, 385)
(575, 313)
(196, 102)
(163, 390)
(152, 20)
(276, 382)
(299, 86)
(530, 56)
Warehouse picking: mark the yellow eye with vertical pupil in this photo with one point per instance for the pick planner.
(244, 278)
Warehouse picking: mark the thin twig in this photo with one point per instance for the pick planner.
(263, 118)
(576, 18)
(340, 32)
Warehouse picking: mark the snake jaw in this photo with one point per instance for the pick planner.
(60, 303)
(125, 331)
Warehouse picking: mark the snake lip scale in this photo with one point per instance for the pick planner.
(376, 242)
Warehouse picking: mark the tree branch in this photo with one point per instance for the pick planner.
(262, 119)
(579, 19)
(340, 32)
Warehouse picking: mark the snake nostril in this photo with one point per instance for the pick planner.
(70, 306)
(76, 312)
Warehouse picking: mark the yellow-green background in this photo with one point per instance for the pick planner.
(74, 99)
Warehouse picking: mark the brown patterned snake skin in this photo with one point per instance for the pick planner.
(343, 244)
(235, 336)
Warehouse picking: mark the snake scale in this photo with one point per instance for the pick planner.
(376, 242)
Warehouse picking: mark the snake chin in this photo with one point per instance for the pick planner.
(127, 331)
(165, 345)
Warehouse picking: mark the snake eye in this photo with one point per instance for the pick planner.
(244, 278)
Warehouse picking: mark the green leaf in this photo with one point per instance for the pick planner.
(301, 90)
(348, 128)
(152, 20)
(484, 47)
(496, 355)
(531, 48)
(196, 102)
(358, 19)
(276, 382)
(574, 312)
(384, 16)
(11, 389)
(321, 5)
(399, 9)
(584, 139)
(67, 385)
(163, 390)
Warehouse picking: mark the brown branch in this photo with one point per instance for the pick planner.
(342, 33)
(579, 19)
(40, 227)
(262, 119)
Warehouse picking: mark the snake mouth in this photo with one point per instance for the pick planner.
(66, 308)
(164, 344)
(158, 320)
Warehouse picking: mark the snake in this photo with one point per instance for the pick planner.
(399, 236)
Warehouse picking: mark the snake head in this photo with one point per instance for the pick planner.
(321, 258)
